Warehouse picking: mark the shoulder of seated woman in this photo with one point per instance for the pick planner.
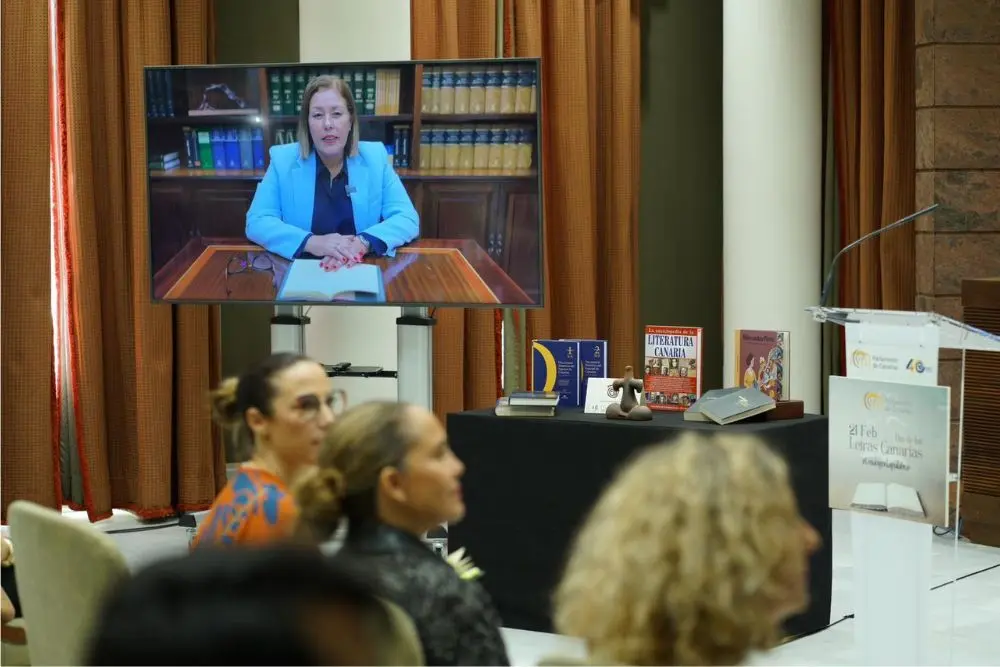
(283, 155)
(373, 152)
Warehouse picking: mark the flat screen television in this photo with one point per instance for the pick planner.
(396, 183)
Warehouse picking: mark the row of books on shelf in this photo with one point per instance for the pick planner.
(215, 148)
(476, 147)
(159, 94)
(459, 147)
(376, 90)
(458, 89)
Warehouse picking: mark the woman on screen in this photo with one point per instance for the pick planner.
(330, 196)
(694, 555)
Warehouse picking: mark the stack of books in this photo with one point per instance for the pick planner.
(527, 404)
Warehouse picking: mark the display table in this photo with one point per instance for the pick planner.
(529, 483)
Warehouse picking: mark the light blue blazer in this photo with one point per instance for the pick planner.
(281, 213)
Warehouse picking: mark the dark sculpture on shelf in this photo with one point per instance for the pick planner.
(628, 407)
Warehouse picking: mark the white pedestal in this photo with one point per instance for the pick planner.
(892, 584)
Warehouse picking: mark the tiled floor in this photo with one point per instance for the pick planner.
(965, 616)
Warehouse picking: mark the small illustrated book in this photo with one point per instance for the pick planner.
(762, 362)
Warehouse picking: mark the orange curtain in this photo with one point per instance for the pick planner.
(872, 69)
(140, 373)
(591, 123)
(466, 349)
(29, 451)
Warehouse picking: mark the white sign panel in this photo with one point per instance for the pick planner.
(889, 449)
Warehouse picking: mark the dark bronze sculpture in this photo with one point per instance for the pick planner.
(628, 407)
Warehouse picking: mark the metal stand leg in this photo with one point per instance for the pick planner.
(288, 332)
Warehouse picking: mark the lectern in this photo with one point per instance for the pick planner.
(892, 557)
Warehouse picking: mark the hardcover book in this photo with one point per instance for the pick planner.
(762, 362)
(563, 366)
(737, 406)
(695, 414)
(672, 374)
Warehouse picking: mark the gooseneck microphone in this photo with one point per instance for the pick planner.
(870, 235)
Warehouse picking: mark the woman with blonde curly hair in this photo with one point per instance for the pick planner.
(694, 555)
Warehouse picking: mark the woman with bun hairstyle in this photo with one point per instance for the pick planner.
(387, 469)
(280, 410)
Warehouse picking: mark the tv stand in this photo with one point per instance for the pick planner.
(288, 333)
(413, 348)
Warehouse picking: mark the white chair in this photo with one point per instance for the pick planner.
(64, 571)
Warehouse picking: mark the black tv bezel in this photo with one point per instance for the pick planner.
(539, 138)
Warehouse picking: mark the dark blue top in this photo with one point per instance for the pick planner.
(332, 211)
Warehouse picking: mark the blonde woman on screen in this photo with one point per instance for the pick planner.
(694, 555)
(331, 196)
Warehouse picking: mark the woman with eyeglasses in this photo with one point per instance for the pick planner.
(280, 409)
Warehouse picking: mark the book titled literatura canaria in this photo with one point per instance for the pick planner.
(306, 281)
(672, 374)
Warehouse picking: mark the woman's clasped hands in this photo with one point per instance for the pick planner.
(337, 250)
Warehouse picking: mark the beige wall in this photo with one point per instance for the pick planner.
(353, 30)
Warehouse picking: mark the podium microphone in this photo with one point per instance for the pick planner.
(870, 235)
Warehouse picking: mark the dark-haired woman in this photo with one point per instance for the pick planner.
(280, 410)
(388, 470)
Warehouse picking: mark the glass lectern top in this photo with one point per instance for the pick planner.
(954, 334)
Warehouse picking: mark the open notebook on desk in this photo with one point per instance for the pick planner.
(306, 281)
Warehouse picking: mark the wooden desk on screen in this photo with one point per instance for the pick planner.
(428, 271)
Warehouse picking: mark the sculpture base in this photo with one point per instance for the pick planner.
(639, 413)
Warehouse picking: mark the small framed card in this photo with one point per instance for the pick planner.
(600, 394)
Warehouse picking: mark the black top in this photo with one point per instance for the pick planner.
(333, 212)
(455, 618)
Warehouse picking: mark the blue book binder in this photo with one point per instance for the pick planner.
(257, 141)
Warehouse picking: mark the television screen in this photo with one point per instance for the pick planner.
(407, 183)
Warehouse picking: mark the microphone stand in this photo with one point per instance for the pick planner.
(827, 283)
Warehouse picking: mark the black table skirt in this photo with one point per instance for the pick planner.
(530, 482)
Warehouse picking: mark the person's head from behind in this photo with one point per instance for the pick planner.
(694, 555)
(328, 122)
(385, 462)
(279, 410)
(267, 606)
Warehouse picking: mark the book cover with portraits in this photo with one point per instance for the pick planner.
(672, 368)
